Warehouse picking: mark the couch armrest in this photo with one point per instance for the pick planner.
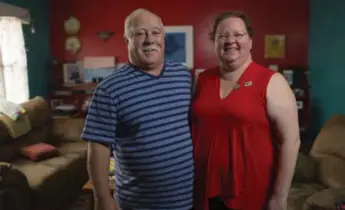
(329, 198)
(4, 167)
(305, 170)
(68, 129)
(15, 191)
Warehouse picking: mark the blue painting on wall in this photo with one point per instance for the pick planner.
(175, 47)
(96, 75)
(179, 45)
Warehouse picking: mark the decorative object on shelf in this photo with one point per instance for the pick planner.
(288, 74)
(55, 103)
(298, 92)
(72, 26)
(105, 35)
(86, 105)
(66, 110)
(179, 44)
(273, 67)
(274, 46)
(72, 44)
(73, 72)
(299, 105)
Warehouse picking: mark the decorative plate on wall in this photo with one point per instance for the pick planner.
(72, 44)
(72, 25)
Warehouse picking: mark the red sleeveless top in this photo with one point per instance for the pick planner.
(233, 144)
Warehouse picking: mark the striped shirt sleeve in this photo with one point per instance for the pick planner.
(100, 122)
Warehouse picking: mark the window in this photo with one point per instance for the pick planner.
(13, 64)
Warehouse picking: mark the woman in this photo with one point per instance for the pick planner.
(244, 127)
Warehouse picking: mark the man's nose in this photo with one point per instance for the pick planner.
(149, 38)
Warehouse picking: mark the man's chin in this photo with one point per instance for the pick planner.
(151, 62)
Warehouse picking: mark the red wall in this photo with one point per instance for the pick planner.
(289, 17)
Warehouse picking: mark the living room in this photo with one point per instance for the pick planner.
(314, 40)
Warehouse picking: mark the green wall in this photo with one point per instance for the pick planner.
(38, 45)
(326, 59)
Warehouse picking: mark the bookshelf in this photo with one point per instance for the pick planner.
(75, 94)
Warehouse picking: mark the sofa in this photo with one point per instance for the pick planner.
(319, 178)
(50, 182)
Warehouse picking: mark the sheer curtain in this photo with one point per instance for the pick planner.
(13, 64)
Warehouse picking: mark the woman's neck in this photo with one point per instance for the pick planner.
(232, 71)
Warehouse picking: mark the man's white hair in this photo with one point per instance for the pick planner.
(130, 20)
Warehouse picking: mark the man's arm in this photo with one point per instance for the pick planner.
(98, 167)
(99, 131)
(282, 111)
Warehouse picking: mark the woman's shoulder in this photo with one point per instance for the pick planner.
(261, 69)
(209, 73)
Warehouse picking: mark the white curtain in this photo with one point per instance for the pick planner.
(13, 64)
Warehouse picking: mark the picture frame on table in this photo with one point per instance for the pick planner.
(55, 103)
(73, 72)
(179, 45)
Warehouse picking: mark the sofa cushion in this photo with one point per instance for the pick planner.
(68, 130)
(73, 147)
(39, 151)
(299, 192)
(51, 177)
(328, 198)
(305, 170)
(45, 173)
(331, 171)
(33, 137)
(330, 141)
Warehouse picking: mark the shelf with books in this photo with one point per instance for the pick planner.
(78, 86)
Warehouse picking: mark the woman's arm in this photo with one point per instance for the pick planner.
(282, 111)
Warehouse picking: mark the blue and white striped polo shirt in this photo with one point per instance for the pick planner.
(145, 118)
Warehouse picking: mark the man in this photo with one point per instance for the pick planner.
(141, 110)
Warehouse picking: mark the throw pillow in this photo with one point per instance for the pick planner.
(39, 151)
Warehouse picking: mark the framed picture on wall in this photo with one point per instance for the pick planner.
(274, 46)
(179, 45)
